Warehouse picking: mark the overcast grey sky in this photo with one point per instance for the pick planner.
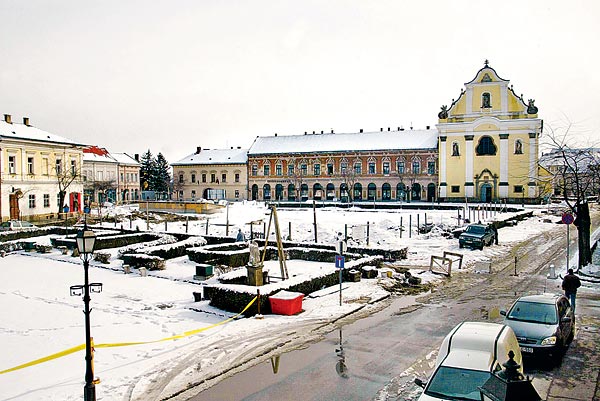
(173, 75)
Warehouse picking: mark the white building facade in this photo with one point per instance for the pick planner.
(34, 166)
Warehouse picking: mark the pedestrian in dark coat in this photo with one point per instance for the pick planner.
(570, 284)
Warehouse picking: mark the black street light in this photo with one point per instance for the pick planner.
(86, 240)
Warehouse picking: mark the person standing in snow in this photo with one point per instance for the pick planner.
(570, 284)
(240, 236)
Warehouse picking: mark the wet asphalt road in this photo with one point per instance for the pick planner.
(378, 349)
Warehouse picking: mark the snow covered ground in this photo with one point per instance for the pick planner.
(39, 317)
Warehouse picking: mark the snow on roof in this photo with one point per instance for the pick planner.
(29, 132)
(124, 158)
(215, 156)
(384, 140)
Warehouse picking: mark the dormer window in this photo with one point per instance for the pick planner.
(486, 101)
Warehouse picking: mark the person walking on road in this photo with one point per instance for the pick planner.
(570, 284)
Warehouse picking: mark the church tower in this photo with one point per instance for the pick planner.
(488, 143)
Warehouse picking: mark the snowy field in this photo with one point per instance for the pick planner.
(40, 318)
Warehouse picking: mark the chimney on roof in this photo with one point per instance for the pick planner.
(321, 131)
(332, 131)
(276, 134)
(198, 149)
(232, 147)
(26, 121)
(427, 126)
(388, 128)
(313, 132)
(380, 129)
(401, 129)
(398, 128)
(304, 132)
(8, 118)
(136, 157)
(239, 147)
(361, 130)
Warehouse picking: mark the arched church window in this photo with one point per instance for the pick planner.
(486, 101)
(518, 147)
(486, 146)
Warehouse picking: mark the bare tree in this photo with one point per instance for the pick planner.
(349, 177)
(64, 178)
(574, 174)
(297, 179)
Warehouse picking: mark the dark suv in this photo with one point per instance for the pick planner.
(476, 236)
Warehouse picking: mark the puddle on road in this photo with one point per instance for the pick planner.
(284, 367)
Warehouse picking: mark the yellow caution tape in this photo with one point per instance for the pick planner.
(124, 344)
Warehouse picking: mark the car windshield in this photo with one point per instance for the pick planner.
(475, 229)
(457, 384)
(533, 312)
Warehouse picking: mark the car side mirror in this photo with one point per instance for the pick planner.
(502, 312)
(420, 382)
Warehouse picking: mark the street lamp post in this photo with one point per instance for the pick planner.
(86, 240)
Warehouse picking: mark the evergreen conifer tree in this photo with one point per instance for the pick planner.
(147, 168)
(162, 174)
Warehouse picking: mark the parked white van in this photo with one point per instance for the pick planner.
(469, 354)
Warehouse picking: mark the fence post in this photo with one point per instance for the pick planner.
(289, 231)
(368, 233)
(418, 223)
(315, 219)
(410, 226)
(207, 226)
(401, 226)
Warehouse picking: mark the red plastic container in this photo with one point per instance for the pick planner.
(286, 302)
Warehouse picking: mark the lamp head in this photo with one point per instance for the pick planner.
(86, 239)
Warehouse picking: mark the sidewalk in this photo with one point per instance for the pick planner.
(578, 377)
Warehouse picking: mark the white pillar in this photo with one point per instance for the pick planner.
(469, 190)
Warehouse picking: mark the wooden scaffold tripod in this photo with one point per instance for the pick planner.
(280, 253)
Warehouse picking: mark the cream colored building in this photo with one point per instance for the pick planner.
(217, 174)
(32, 162)
(489, 143)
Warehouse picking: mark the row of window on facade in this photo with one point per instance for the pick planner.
(455, 189)
(487, 147)
(210, 193)
(32, 200)
(213, 178)
(357, 168)
(58, 166)
(415, 192)
(110, 176)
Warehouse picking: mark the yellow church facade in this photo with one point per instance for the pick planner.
(488, 143)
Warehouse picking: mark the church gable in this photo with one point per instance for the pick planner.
(487, 95)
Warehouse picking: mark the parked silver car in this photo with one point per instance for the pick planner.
(544, 325)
